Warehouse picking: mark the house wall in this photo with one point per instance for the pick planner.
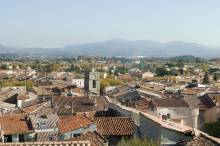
(68, 135)
(152, 130)
(210, 115)
(79, 83)
(218, 112)
(46, 129)
(29, 137)
(109, 88)
(147, 74)
(15, 138)
(149, 128)
(19, 103)
(189, 116)
(170, 137)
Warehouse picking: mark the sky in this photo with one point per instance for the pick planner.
(57, 23)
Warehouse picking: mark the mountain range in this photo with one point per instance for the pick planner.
(120, 47)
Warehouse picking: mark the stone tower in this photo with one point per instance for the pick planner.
(92, 83)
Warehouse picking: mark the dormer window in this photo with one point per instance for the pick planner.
(43, 116)
(43, 125)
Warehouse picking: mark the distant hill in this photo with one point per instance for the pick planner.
(5, 49)
(121, 47)
(215, 60)
(187, 59)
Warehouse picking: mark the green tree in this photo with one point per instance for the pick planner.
(4, 66)
(48, 68)
(206, 78)
(161, 71)
(205, 67)
(110, 81)
(141, 65)
(180, 64)
(213, 128)
(215, 77)
(194, 81)
(213, 70)
(11, 83)
(104, 84)
(29, 84)
(181, 71)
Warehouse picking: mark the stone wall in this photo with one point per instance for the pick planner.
(62, 143)
(189, 116)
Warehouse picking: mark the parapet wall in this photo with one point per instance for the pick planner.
(62, 143)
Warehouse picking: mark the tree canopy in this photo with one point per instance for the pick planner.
(213, 128)
(206, 78)
(11, 83)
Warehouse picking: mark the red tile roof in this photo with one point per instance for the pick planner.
(69, 123)
(47, 136)
(95, 138)
(14, 124)
(170, 103)
(68, 105)
(192, 91)
(107, 126)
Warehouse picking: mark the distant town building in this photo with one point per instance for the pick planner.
(79, 83)
(148, 75)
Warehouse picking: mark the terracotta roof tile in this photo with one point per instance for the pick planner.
(115, 126)
(67, 105)
(95, 138)
(69, 123)
(14, 124)
(170, 103)
(47, 136)
(44, 121)
(192, 91)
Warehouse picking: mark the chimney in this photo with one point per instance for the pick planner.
(51, 102)
(72, 108)
(105, 108)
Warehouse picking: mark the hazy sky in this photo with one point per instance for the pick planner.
(55, 23)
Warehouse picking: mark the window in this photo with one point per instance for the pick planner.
(52, 138)
(168, 116)
(94, 83)
(43, 124)
(164, 117)
(75, 135)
